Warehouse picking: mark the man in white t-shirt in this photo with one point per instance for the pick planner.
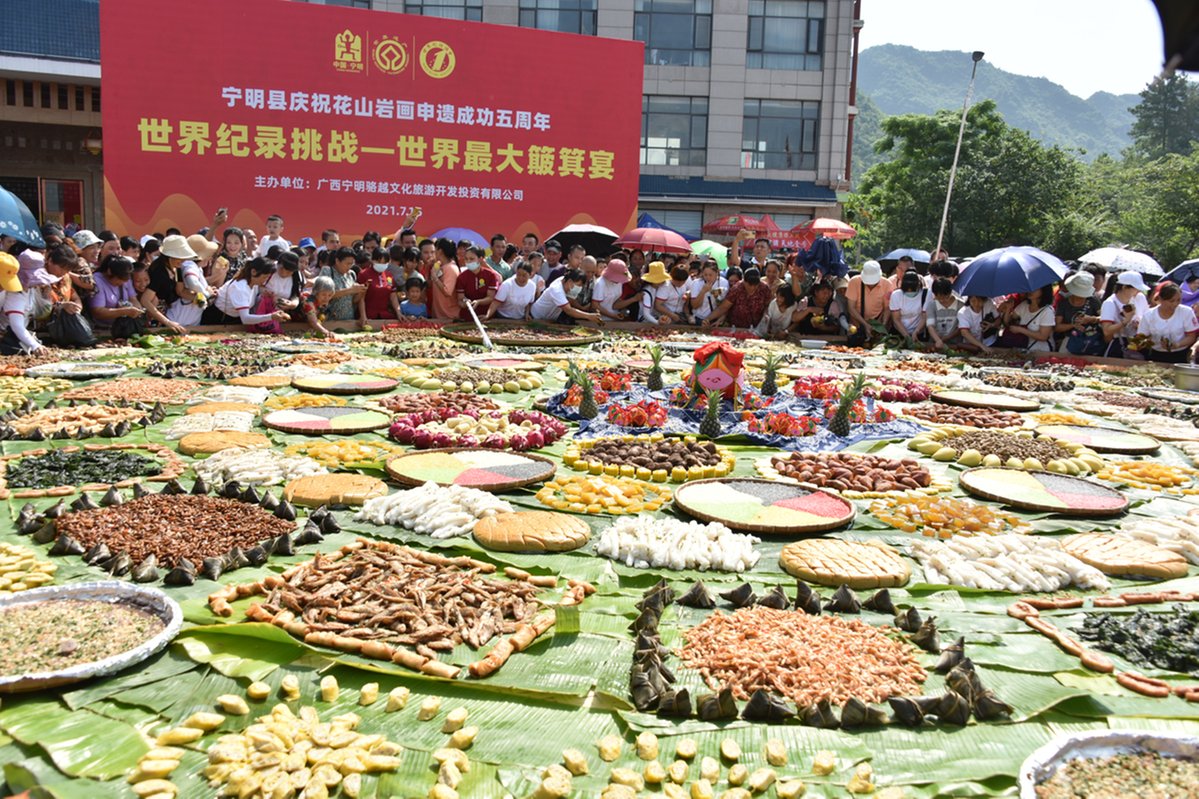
(608, 287)
(554, 303)
(515, 295)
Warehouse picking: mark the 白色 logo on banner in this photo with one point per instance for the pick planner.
(347, 52)
(390, 55)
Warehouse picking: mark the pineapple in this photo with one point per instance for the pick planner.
(587, 407)
(653, 381)
(710, 426)
(839, 424)
(769, 388)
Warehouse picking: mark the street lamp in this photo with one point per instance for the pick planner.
(977, 56)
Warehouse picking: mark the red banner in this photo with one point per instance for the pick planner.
(334, 117)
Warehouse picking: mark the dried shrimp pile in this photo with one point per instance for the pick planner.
(805, 658)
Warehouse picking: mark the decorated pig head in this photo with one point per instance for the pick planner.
(717, 368)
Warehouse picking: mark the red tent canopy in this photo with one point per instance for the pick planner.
(733, 224)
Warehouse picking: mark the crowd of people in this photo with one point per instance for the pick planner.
(88, 283)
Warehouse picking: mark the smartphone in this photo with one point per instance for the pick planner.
(222, 211)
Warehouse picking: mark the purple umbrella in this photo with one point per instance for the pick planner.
(457, 234)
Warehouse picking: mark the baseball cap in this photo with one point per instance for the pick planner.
(308, 243)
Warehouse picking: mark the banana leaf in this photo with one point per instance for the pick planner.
(250, 650)
(81, 743)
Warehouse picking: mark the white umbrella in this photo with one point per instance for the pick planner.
(1118, 259)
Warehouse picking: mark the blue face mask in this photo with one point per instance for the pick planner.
(910, 293)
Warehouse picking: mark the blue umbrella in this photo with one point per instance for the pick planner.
(457, 234)
(18, 221)
(1183, 272)
(919, 256)
(1009, 270)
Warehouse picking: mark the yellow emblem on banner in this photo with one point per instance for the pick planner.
(347, 52)
(437, 59)
(390, 55)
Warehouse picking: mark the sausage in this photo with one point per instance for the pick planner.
(1042, 626)
(1068, 644)
(1022, 610)
(1143, 598)
(1108, 602)
(1069, 602)
(1041, 604)
(1130, 682)
(1097, 661)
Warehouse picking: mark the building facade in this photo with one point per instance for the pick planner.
(747, 104)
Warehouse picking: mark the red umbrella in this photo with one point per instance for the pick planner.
(822, 226)
(732, 225)
(653, 240)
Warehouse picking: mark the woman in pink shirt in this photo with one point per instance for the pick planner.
(443, 281)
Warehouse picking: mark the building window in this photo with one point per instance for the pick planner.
(564, 16)
(471, 10)
(686, 222)
(674, 131)
(350, 3)
(675, 32)
(779, 134)
(785, 34)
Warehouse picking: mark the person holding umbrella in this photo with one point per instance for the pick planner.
(1121, 313)
(1171, 327)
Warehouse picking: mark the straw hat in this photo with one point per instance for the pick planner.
(656, 274)
(203, 248)
(177, 247)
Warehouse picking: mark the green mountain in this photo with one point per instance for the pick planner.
(904, 80)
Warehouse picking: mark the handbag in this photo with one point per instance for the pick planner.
(69, 330)
(126, 327)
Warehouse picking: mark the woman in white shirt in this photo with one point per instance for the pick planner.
(907, 306)
(237, 297)
(1034, 319)
(1120, 315)
(515, 295)
(977, 322)
(1171, 326)
(706, 292)
(670, 300)
(608, 287)
(779, 318)
(17, 304)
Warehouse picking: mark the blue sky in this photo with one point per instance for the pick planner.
(1084, 45)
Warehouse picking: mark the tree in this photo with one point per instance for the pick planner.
(1008, 184)
(1167, 118)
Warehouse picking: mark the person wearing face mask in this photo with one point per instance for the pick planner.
(554, 303)
(907, 307)
(477, 283)
(670, 300)
(382, 301)
(745, 303)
